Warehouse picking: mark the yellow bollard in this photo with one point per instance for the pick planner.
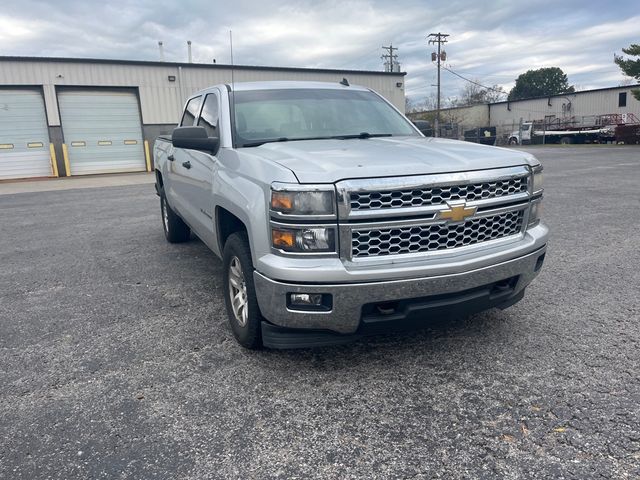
(65, 155)
(54, 161)
(147, 156)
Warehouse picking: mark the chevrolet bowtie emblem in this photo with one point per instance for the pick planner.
(457, 212)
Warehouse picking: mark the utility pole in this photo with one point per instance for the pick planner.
(439, 56)
(390, 60)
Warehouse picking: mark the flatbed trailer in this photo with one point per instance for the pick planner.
(527, 135)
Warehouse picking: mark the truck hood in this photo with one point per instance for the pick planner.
(329, 161)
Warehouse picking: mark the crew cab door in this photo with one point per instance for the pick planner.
(177, 181)
(203, 168)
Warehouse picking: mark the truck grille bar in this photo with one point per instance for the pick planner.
(427, 196)
(426, 238)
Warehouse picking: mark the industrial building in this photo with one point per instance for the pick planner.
(66, 116)
(598, 107)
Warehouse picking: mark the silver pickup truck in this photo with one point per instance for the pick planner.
(335, 218)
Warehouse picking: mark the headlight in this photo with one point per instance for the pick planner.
(311, 200)
(303, 239)
(537, 179)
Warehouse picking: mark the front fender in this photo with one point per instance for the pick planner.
(242, 186)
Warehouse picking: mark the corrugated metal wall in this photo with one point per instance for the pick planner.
(162, 100)
(582, 104)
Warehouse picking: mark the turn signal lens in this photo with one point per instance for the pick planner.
(283, 238)
(303, 239)
(281, 201)
(537, 179)
(536, 213)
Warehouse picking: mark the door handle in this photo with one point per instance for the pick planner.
(171, 158)
(186, 164)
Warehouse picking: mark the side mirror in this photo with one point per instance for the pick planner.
(195, 138)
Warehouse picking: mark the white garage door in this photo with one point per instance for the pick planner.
(24, 137)
(102, 131)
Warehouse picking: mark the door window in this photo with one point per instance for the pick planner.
(191, 112)
(210, 115)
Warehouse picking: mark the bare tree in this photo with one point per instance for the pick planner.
(475, 94)
(409, 105)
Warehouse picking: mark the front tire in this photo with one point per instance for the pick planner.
(175, 230)
(513, 141)
(239, 292)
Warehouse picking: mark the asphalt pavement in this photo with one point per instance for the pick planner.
(116, 360)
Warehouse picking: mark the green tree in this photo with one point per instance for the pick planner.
(630, 68)
(540, 83)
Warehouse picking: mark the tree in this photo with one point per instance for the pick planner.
(409, 105)
(631, 68)
(540, 83)
(474, 94)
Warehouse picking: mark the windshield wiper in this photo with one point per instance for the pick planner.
(260, 142)
(282, 139)
(362, 135)
(257, 143)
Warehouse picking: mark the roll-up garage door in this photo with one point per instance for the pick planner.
(102, 131)
(24, 137)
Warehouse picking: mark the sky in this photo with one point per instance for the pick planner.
(491, 42)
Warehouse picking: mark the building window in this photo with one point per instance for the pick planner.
(622, 99)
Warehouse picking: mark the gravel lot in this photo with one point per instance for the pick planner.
(116, 361)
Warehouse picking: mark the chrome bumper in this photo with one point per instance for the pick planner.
(348, 299)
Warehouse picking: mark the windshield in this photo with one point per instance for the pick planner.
(300, 114)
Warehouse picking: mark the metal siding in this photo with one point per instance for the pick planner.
(162, 101)
(583, 104)
(23, 121)
(96, 118)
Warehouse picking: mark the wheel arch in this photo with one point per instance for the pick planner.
(227, 223)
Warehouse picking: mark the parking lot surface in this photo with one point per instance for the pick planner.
(116, 360)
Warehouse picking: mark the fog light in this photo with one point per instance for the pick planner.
(306, 299)
(306, 302)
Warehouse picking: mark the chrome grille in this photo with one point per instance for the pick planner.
(437, 195)
(426, 238)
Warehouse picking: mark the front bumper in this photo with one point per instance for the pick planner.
(351, 300)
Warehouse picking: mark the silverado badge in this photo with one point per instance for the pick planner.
(457, 212)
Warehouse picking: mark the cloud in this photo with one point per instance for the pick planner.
(491, 42)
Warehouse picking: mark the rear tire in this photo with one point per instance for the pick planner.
(240, 297)
(175, 230)
(513, 141)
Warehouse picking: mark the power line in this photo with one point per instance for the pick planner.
(471, 81)
(492, 75)
(357, 60)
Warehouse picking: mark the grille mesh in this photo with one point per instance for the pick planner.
(422, 197)
(394, 241)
